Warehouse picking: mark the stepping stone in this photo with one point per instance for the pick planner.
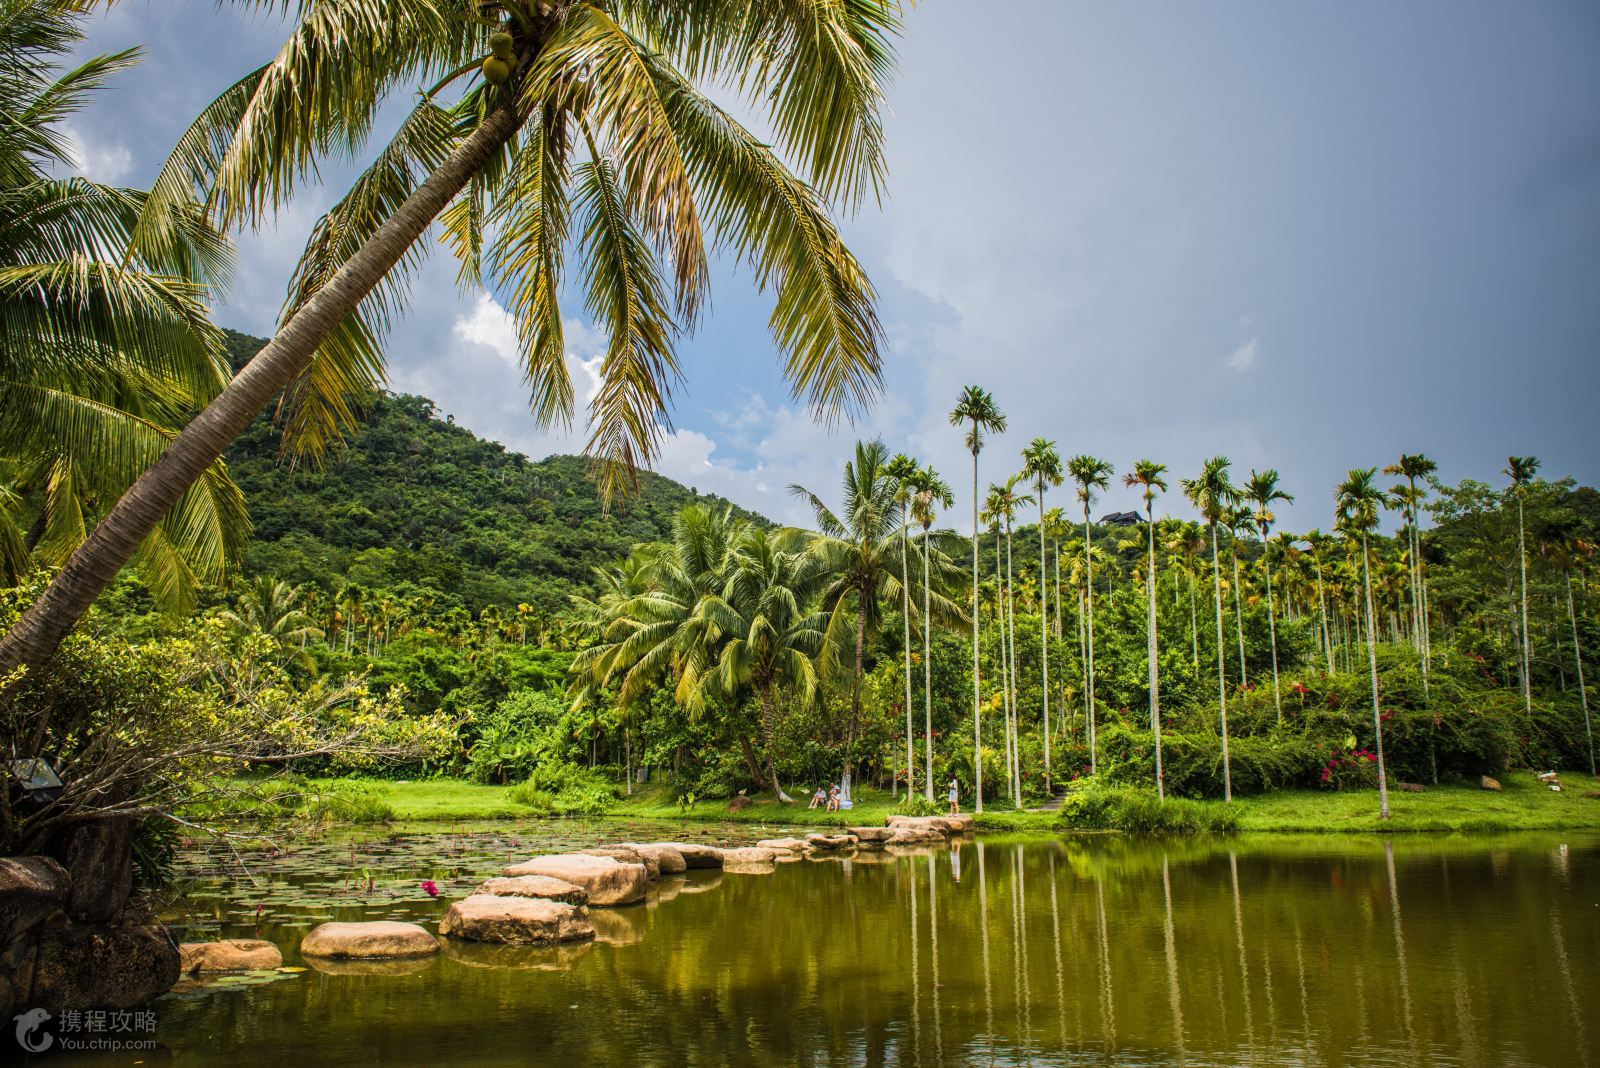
(229, 955)
(607, 880)
(515, 921)
(783, 845)
(542, 886)
(750, 860)
(373, 939)
(913, 834)
(831, 841)
(667, 858)
(870, 835)
(630, 855)
(697, 856)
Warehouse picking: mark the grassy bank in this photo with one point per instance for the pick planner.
(1524, 804)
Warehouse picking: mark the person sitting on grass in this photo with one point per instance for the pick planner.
(833, 798)
(818, 799)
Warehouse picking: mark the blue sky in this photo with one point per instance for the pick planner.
(1307, 236)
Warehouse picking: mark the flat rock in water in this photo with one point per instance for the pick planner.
(961, 822)
(915, 834)
(938, 825)
(542, 886)
(630, 855)
(668, 860)
(607, 880)
(228, 955)
(750, 860)
(696, 855)
(832, 841)
(515, 920)
(783, 845)
(1488, 783)
(867, 835)
(372, 939)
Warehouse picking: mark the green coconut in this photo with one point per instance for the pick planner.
(496, 71)
(501, 45)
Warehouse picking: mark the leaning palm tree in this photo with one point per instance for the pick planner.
(1090, 473)
(105, 348)
(904, 470)
(1212, 495)
(1261, 490)
(1147, 475)
(1521, 471)
(1358, 501)
(932, 492)
(575, 127)
(977, 411)
(1042, 463)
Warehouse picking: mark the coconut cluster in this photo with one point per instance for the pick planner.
(497, 65)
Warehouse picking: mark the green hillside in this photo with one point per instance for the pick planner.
(414, 503)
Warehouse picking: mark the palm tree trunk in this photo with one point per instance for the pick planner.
(1222, 681)
(1238, 610)
(38, 632)
(1088, 563)
(1005, 672)
(1044, 643)
(1322, 607)
(1016, 686)
(977, 715)
(1527, 656)
(855, 692)
(1155, 689)
(1083, 661)
(1372, 664)
(1272, 634)
(905, 612)
(1194, 624)
(1577, 656)
(927, 677)
(769, 719)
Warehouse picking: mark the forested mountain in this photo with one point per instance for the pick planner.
(417, 505)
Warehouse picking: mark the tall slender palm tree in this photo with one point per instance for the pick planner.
(1521, 470)
(1147, 476)
(1090, 473)
(1571, 550)
(1213, 494)
(596, 138)
(903, 469)
(1042, 463)
(1004, 503)
(1318, 543)
(1261, 489)
(977, 411)
(1056, 528)
(932, 492)
(1240, 521)
(1411, 467)
(1358, 502)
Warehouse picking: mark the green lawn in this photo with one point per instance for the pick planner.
(1525, 804)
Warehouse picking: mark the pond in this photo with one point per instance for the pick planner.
(999, 950)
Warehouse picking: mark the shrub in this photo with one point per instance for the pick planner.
(565, 790)
(1141, 812)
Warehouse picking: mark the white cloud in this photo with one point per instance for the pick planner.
(1243, 358)
(101, 162)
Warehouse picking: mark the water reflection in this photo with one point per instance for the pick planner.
(1279, 951)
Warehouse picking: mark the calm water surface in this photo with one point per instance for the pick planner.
(1004, 951)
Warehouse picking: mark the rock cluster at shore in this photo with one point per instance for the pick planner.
(564, 899)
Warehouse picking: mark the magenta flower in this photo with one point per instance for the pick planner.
(430, 888)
